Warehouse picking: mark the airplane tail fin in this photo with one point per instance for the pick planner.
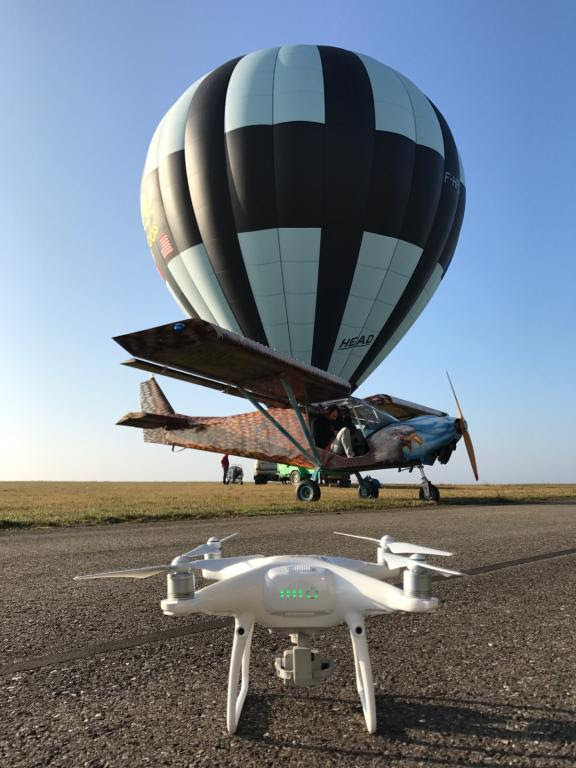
(153, 400)
(156, 410)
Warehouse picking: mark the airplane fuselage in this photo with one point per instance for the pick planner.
(399, 444)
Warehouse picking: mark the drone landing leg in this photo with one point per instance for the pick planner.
(239, 663)
(364, 681)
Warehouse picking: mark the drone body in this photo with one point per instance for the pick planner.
(296, 595)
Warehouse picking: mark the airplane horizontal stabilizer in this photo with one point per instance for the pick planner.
(145, 420)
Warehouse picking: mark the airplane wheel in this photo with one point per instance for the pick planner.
(434, 494)
(368, 490)
(365, 490)
(308, 490)
(295, 477)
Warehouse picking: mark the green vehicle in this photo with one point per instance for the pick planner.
(291, 474)
(266, 471)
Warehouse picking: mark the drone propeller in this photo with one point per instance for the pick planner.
(180, 564)
(397, 561)
(399, 547)
(212, 546)
(128, 573)
(465, 433)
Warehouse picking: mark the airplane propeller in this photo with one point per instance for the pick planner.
(465, 433)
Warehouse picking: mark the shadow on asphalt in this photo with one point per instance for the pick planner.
(491, 731)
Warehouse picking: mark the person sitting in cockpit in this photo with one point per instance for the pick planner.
(331, 432)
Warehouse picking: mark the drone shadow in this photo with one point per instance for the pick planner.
(464, 726)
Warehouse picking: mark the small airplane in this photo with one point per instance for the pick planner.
(288, 395)
(297, 596)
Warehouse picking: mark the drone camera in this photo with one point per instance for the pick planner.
(302, 666)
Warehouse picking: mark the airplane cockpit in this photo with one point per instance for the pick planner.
(361, 414)
(367, 418)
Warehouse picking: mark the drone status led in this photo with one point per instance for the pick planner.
(299, 587)
(299, 594)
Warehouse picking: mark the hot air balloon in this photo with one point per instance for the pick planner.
(307, 197)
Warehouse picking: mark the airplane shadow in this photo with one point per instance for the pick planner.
(476, 731)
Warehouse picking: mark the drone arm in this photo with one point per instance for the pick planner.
(213, 571)
(375, 570)
(372, 596)
(220, 597)
(364, 680)
(239, 666)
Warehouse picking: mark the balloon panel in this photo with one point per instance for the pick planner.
(307, 197)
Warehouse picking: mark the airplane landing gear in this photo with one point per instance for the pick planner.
(308, 490)
(428, 492)
(367, 488)
(433, 493)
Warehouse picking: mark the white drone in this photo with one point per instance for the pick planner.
(296, 595)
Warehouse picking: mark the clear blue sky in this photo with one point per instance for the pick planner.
(83, 86)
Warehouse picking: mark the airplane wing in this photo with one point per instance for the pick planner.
(401, 409)
(205, 354)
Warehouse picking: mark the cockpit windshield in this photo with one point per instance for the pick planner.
(366, 415)
(367, 418)
(363, 415)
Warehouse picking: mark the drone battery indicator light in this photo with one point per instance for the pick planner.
(298, 588)
(298, 593)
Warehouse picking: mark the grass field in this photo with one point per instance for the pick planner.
(25, 504)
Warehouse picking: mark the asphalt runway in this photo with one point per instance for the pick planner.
(93, 675)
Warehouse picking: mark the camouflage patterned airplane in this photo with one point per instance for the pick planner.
(288, 396)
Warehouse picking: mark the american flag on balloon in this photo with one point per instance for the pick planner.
(166, 247)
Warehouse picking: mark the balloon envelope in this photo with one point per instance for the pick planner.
(307, 197)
